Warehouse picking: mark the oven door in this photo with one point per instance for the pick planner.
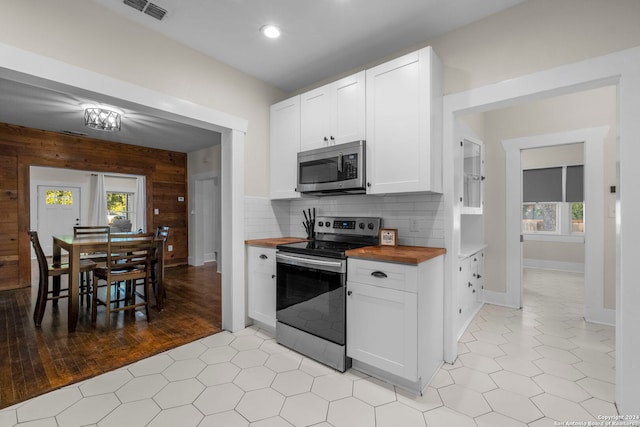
(310, 295)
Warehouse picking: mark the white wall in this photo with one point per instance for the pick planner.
(39, 175)
(532, 36)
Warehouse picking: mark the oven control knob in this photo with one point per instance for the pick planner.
(361, 226)
(327, 223)
(371, 226)
(320, 223)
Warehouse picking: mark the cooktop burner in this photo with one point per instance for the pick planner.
(335, 235)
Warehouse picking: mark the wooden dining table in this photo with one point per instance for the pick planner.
(76, 245)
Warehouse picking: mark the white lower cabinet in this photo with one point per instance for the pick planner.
(261, 284)
(395, 320)
(382, 328)
(470, 288)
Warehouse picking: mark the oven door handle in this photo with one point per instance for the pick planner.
(294, 260)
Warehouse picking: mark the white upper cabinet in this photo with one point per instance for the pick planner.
(473, 176)
(333, 114)
(404, 124)
(284, 147)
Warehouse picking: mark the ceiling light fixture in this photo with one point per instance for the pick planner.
(270, 31)
(102, 118)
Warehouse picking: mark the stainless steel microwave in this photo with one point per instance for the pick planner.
(333, 170)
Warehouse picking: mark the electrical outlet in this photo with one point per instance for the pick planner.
(156, 211)
(414, 225)
(170, 248)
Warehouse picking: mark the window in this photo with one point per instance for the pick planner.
(577, 217)
(119, 205)
(540, 217)
(553, 200)
(59, 197)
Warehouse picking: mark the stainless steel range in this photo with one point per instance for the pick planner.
(311, 288)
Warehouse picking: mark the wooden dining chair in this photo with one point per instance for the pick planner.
(97, 257)
(47, 270)
(128, 263)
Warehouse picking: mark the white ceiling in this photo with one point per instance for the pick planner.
(321, 39)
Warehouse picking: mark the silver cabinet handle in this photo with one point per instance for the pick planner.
(263, 256)
(379, 274)
(349, 293)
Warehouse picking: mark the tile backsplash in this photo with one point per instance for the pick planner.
(266, 218)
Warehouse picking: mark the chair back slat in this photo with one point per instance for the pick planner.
(88, 230)
(162, 231)
(131, 254)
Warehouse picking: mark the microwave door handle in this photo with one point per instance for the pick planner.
(339, 162)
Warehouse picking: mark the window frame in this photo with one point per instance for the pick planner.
(563, 214)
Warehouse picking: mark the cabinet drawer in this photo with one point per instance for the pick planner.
(261, 259)
(384, 274)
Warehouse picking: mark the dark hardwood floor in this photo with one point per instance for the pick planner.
(37, 360)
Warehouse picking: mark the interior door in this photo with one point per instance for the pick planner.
(58, 213)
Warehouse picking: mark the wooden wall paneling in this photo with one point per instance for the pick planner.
(24, 219)
(9, 260)
(173, 213)
(165, 172)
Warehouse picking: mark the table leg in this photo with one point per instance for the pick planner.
(56, 259)
(74, 274)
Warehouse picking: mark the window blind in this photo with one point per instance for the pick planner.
(542, 185)
(575, 184)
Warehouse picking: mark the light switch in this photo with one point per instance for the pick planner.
(156, 211)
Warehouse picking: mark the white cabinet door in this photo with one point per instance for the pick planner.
(473, 176)
(284, 147)
(404, 124)
(477, 272)
(315, 120)
(261, 268)
(333, 114)
(348, 110)
(382, 328)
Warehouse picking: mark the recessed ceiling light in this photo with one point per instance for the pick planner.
(270, 31)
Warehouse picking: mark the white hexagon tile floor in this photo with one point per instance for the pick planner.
(532, 367)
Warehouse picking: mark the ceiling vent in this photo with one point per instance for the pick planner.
(147, 7)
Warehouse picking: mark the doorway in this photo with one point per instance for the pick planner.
(593, 140)
(205, 235)
(619, 69)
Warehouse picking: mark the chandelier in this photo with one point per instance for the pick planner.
(102, 118)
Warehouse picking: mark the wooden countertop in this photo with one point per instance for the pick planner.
(274, 241)
(402, 254)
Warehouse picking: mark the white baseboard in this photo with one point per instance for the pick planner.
(497, 298)
(572, 267)
(604, 316)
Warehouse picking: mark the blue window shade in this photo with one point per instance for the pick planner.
(575, 184)
(542, 185)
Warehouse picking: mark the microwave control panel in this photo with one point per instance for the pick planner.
(350, 166)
